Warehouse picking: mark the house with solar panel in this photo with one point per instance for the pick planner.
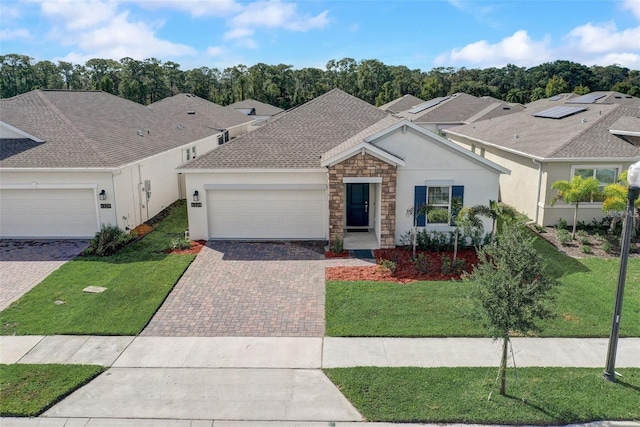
(457, 109)
(595, 135)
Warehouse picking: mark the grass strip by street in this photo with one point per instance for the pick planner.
(460, 395)
(138, 279)
(29, 390)
(584, 303)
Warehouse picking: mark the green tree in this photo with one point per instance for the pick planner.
(581, 90)
(496, 211)
(616, 199)
(555, 85)
(511, 289)
(574, 192)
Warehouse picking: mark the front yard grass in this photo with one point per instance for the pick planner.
(138, 279)
(29, 390)
(584, 304)
(460, 395)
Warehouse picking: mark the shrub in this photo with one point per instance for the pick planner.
(564, 237)
(607, 246)
(422, 264)
(450, 267)
(387, 264)
(586, 249)
(109, 240)
(337, 246)
(562, 224)
(180, 243)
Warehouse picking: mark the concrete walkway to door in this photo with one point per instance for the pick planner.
(267, 289)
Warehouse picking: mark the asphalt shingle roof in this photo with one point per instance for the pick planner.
(460, 108)
(89, 129)
(405, 102)
(216, 116)
(261, 109)
(299, 137)
(582, 135)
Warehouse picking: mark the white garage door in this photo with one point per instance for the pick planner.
(48, 213)
(267, 214)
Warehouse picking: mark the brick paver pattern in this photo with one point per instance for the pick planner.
(248, 289)
(25, 263)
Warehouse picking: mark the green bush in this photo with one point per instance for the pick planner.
(451, 267)
(109, 240)
(562, 224)
(564, 237)
(180, 243)
(586, 249)
(422, 264)
(337, 247)
(607, 246)
(387, 264)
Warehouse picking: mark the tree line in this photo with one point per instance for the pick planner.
(151, 80)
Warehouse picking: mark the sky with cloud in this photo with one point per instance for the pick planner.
(420, 34)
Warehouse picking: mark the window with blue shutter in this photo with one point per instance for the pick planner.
(457, 200)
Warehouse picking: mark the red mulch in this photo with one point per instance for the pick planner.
(405, 270)
(142, 229)
(329, 254)
(196, 246)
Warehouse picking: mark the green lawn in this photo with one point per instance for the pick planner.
(137, 279)
(460, 395)
(437, 309)
(29, 390)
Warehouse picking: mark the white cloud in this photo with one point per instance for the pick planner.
(215, 51)
(604, 38)
(517, 49)
(197, 8)
(238, 33)
(633, 6)
(79, 15)
(276, 14)
(629, 60)
(21, 33)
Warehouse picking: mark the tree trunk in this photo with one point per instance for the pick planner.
(575, 221)
(503, 366)
(455, 246)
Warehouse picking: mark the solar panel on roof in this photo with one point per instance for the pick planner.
(589, 98)
(556, 97)
(428, 104)
(559, 112)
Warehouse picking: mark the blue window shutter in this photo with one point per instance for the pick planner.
(419, 199)
(457, 192)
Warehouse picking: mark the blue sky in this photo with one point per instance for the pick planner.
(306, 33)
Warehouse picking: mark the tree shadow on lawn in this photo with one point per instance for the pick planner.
(558, 264)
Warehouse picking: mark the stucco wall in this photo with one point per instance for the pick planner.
(427, 159)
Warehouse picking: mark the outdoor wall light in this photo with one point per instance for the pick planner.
(102, 195)
(196, 196)
(633, 177)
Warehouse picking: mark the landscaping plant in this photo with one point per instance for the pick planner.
(108, 241)
(573, 192)
(511, 288)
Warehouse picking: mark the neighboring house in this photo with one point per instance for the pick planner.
(405, 102)
(457, 109)
(256, 110)
(601, 97)
(229, 122)
(557, 140)
(71, 161)
(333, 165)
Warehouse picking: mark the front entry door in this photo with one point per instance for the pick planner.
(357, 205)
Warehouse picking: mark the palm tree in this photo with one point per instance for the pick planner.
(495, 211)
(467, 220)
(577, 190)
(616, 198)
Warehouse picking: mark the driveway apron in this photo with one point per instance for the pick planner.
(25, 263)
(247, 289)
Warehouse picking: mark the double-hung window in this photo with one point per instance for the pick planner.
(604, 174)
(442, 201)
(438, 198)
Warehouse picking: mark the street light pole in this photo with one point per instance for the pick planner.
(633, 177)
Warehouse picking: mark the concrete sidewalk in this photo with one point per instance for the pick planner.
(308, 353)
(252, 381)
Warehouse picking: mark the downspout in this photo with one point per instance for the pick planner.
(536, 216)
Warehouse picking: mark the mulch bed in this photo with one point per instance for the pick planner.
(196, 247)
(405, 270)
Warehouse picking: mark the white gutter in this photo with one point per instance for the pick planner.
(536, 215)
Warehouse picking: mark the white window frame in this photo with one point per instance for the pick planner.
(193, 152)
(440, 205)
(616, 168)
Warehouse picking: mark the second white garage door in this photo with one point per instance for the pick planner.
(267, 214)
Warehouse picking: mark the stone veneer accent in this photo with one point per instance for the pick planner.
(363, 166)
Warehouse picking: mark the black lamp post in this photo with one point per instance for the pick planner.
(633, 177)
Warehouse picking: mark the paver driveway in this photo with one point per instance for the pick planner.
(25, 263)
(247, 289)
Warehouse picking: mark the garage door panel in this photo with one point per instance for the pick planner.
(277, 214)
(47, 213)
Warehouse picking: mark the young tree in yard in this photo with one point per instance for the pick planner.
(511, 288)
(577, 190)
(496, 211)
(616, 199)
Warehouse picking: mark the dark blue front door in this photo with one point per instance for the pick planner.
(357, 205)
